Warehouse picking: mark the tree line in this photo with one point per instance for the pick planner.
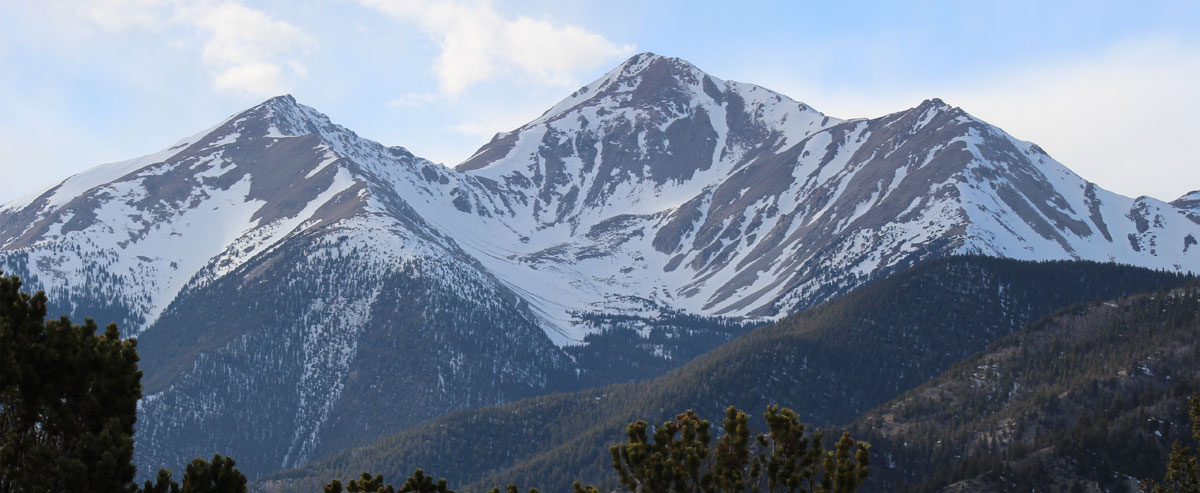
(68, 403)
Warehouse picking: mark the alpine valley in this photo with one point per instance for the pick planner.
(297, 290)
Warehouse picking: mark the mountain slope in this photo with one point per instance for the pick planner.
(579, 193)
(275, 281)
(800, 209)
(653, 215)
(1189, 201)
(1087, 399)
(830, 364)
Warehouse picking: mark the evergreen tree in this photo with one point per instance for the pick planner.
(678, 458)
(368, 484)
(68, 400)
(579, 488)
(218, 476)
(162, 484)
(512, 488)
(791, 455)
(1183, 471)
(421, 483)
(786, 459)
(670, 462)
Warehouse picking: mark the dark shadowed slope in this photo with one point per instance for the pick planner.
(1087, 399)
(831, 364)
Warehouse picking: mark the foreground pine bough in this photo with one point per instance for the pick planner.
(680, 459)
(68, 401)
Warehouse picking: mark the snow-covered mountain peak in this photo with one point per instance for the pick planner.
(283, 116)
(659, 86)
(930, 109)
(193, 212)
(639, 62)
(652, 69)
(1190, 201)
(935, 103)
(625, 78)
(647, 136)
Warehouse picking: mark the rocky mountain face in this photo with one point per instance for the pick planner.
(1190, 201)
(295, 287)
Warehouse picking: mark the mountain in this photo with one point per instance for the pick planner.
(281, 289)
(1088, 399)
(793, 207)
(830, 364)
(297, 289)
(1189, 201)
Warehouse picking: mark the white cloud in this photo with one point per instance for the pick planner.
(412, 99)
(249, 50)
(477, 43)
(120, 15)
(263, 79)
(245, 49)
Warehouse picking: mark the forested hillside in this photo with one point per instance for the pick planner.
(1091, 397)
(831, 364)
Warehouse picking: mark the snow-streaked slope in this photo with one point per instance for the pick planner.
(1190, 201)
(255, 263)
(282, 255)
(656, 187)
(79, 184)
(649, 135)
(152, 224)
(548, 206)
(343, 332)
(587, 209)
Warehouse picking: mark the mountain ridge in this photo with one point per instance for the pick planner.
(661, 203)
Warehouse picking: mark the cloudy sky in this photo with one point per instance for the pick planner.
(1108, 88)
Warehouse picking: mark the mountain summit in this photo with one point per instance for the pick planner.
(1190, 200)
(281, 262)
